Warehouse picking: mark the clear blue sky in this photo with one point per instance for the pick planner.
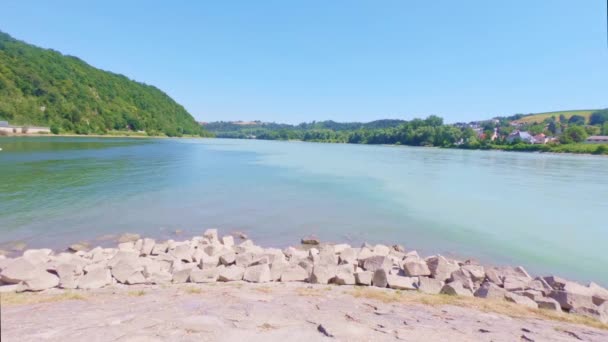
(293, 61)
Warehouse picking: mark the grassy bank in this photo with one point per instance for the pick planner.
(580, 148)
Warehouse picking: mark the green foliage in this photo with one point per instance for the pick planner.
(576, 120)
(44, 87)
(601, 149)
(599, 118)
(574, 134)
(55, 129)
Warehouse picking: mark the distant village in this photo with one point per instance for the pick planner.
(8, 129)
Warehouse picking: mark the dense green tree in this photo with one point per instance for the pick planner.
(599, 118)
(576, 120)
(44, 87)
(574, 134)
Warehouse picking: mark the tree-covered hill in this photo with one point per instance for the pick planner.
(44, 87)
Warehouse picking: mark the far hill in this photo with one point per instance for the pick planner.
(540, 117)
(44, 87)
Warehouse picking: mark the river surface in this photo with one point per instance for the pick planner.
(546, 212)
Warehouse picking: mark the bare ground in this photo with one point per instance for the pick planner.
(277, 312)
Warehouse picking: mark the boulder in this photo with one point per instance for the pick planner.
(126, 246)
(159, 277)
(96, 277)
(128, 237)
(415, 266)
(228, 241)
(402, 283)
(363, 278)
(493, 276)
(37, 256)
(257, 274)
(597, 312)
(539, 284)
(547, 303)
(380, 278)
(228, 258)
(231, 273)
(323, 274)
(455, 288)
(40, 280)
(429, 285)
(125, 269)
(515, 282)
(345, 275)
(208, 262)
(10, 288)
(381, 250)
(159, 248)
(181, 275)
(477, 272)
(339, 248)
(211, 235)
(365, 252)
(244, 259)
(572, 300)
(294, 254)
(147, 246)
(348, 256)
(183, 252)
(310, 240)
(18, 270)
(277, 268)
(376, 262)
(464, 278)
(209, 275)
(307, 265)
(123, 256)
(67, 275)
(77, 247)
(521, 300)
(294, 273)
(599, 294)
(326, 256)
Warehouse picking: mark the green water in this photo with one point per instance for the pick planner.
(546, 212)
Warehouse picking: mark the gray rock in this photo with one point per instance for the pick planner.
(128, 237)
(307, 265)
(183, 252)
(323, 274)
(477, 272)
(490, 290)
(515, 283)
(10, 288)
(159, 248)
(348, 256)
(67, 275)
(136, 278)
(159, 277)
(415, 266)
(41, 280)
(521, 300)
(597, 312)
(204, 276)
(231, 273)
(228, 258)
(363, 278)
(310, 240)
(125, 269)
(211, 235)
(37, 256)
(464, 278)
(571, 300)
(429, 285)
(95, 278)
(380, 278)
(455, 288)
(539, 284)
(277, 268)
(123, 256)
(326, 256)
(402, 283)
(244, 259)
(376, 262)
(228, 241)
(345, 275)
(77, 247)
(209, 261)
(18, 270)
(147, 246)
(181, 276)
(294, 273)
(257, 274)
(599, 294)
(127, 246)
(493, 276)
(547, 303)
(381, 250)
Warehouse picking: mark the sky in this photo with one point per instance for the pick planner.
(342, 60)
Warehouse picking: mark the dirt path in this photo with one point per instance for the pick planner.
(255, 312)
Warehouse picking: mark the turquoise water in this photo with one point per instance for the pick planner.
(546, 212)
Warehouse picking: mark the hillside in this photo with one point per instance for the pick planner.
(44, 87)
(540, 117)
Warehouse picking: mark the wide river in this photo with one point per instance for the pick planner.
(546, 212)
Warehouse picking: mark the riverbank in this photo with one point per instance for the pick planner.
(383, 273)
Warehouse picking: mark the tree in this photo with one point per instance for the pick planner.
(562, 118)
(552, 127)
(605, 128)
(574, 134)
(599, 118)
(576, 120)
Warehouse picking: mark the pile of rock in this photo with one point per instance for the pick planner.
(210, 258)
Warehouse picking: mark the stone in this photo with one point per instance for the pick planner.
(380, 278)
(214, 249)
(182, 252)
(402, 283)
(597, 312)
(136, 278)
(257, 274)
(138, 245)
(310, 240)
(37, 256)
(295, 254)
(128, 237)
(39, 281)
(159, 248)
(398, 248)
(455, 288)
(294, 273)
(477, 272)
(572, 300)
(228, 258)
(415, 266)
(547, 303)
(599, 294)
(126, 246)
(493, 276)
(464, 278)
(363, 278)
(18, 270)
(277, 268)
(125, 269)
(348, 256)
(209, 261)
(10, 288)
(228, 241)
(147, 246)
(211, 235)
(381, 250)
(490, 291)
(307, 265)
(429, 285)
(326, 256)
(67, 275)
(339, 248)
(323, 274)
(515, 283)
(345, 275)
(95, 278)
(181, 276)
(159, 277)
(539, 284)
(244, 259)
(364, 253)
(204, 276)
(376, 262)
(126, 256)
(231, 273)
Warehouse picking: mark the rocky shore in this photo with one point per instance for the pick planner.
(214, 259)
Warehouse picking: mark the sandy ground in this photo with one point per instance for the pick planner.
(258, 312)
